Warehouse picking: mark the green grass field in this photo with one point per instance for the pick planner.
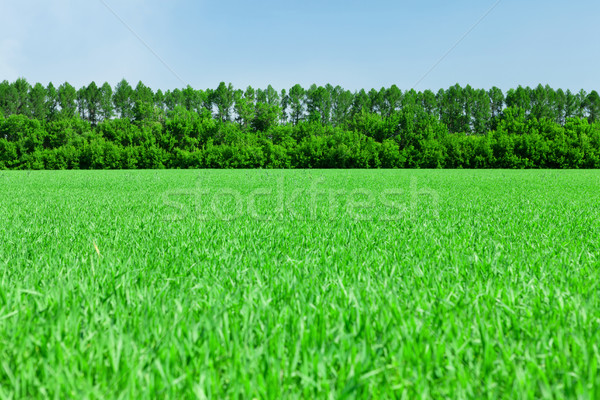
(300, 284)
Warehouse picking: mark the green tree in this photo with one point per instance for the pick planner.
(540, 100)
(244, 107)
(571, 105)
(496, 102)
(520, 98)
(93, 98)
(51, 102)
(67, 98)
(559, 106)
(429, 102)
(265, 116)
(393, 100)
(342, 106)
(284, 105)
(318, 104)
(453, 110)
(581, 101)
(22, 88)
(377, 101)
(223, 99)
(193, 100)
(143, 104)
(8, 99)
(410, 99)
(173, 99)
(81, 100)
(38, 102)
(159, 100)
(142, 93)
(296, 102)
(106, 104)
(272, 97)
(481, 111)
(592, 105)
(123, 99)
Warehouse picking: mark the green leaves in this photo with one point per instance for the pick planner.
(460, 127)
(122, 99)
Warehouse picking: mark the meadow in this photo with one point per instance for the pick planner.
(299, 284)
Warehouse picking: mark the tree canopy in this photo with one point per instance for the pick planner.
(98, 126)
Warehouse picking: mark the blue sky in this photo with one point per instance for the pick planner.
(355, 44)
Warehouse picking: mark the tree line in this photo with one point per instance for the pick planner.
(48, 127)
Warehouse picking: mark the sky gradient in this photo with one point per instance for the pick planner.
(354, 44)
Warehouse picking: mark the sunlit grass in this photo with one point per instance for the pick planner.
(408, 284)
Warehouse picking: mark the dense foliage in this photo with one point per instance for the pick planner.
(320, 127)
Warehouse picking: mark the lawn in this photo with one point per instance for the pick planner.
(300, 284)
